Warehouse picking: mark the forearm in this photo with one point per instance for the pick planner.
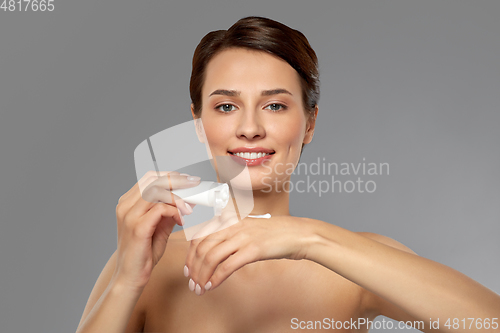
(422, 287)
(112, 311)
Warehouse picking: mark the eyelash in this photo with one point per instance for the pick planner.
(282, 107)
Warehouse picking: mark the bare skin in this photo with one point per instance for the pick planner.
(260, 297)
(262, 273)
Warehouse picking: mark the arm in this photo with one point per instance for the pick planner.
(401, 284)
(146, 215)
(422, 288)
(111, 305)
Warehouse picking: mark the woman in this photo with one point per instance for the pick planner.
(255, 88)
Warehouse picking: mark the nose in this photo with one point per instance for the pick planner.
(250, 126)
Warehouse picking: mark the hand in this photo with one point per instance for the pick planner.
(146, 215)
(212, 259)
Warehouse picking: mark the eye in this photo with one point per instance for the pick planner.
(276, 107)
(225, 107)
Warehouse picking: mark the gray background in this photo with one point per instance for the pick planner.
(411, 83)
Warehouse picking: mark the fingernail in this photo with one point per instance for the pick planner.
(189, 208)
(193, 178)
(186, 271)
(208, 285)
(198, 290)
(191, 284)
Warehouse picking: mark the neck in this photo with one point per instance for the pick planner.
(274, 202)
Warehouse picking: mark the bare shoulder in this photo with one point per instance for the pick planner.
(386, 240)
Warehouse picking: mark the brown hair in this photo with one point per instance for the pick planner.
(262, 34)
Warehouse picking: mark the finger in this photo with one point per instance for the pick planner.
(197, 252)
(173, 181)
(160, 189)
(130, 197)
(162, 233)
(212, 259)
(191, 253)
(159, 194)
(242, 257)
(141, 207)
(147, 224)
(151, 176)
(209, 228)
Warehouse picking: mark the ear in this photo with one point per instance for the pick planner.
(311, 123)
(200, 132)
(192, 111)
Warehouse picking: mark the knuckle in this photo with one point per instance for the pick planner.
(151, 193)
(159, 208)
(137, 230)
(120, 200)
(225, 267)
(209, 258)
(199, 251)
(242, 237)
(119, 208)
(127, 221)
(120, 212)
(253, 250)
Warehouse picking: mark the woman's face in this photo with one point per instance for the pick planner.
(252, 101)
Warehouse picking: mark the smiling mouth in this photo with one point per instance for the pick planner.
(251, 159)
(251, 156)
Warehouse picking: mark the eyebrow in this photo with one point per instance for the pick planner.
(233, 93)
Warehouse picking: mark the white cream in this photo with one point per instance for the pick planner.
(207, 193)
(264, 216)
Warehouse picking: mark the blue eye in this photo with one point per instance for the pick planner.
(224, 107)
(276, 107)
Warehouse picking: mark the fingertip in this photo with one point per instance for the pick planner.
(193, 179)
(189, 209)
(180, 222)
(181, 206)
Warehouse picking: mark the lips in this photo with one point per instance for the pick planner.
(251, 155)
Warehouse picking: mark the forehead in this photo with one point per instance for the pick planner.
(249, 70)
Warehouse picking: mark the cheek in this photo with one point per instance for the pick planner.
(290, 133)
(216, 132)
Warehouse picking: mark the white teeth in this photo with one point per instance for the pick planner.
(251, 156)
